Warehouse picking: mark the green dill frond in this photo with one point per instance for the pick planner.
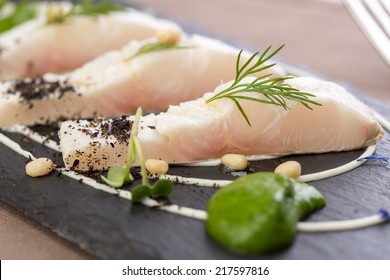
(270, 90)
(92, 8)
(156, 47)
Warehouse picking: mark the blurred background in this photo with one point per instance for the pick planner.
(320, 35)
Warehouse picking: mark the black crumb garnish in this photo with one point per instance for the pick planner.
(31, 89)
(59, 173)
(49, 131)
(136, 172)
(75, 164)
(235, 173)
(94, 175)
(118, 127)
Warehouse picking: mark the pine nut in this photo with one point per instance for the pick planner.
(234, 161)
(168, 36)
(39, 167)
(156, 166)
(55, 13)
(290, 168)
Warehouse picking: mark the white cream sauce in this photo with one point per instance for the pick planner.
(35, 136)
(198, 213)
(303, 178)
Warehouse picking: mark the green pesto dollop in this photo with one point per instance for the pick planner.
(258, 213)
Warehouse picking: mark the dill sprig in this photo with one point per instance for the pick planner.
(271, 90)
(156, 47)
(56, 14)
(22, 12)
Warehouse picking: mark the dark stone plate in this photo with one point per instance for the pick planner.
(110, 227)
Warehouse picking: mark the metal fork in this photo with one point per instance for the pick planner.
(373, 17)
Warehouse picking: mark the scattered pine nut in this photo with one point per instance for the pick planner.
(290, 168)
(55, 13)
(156, 166)
(234, 161)
(39, 167)
(168, 36)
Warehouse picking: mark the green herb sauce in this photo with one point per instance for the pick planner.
(258, 213)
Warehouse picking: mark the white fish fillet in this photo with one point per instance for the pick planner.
(112, 85)
(195, 130)
(34, 47)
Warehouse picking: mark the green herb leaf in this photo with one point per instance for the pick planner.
(162, 188)
(156, 47)
(86, 8)
(2, 3)
(22, 12)
(117, 176)
(140, 192)
(271, 90)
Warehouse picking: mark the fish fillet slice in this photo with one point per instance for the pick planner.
(195, 130)
(35, 48)
(112, 84)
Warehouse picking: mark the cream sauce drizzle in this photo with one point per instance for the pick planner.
(35, 136)
(304, 178)
(15, 146)
(216, 162)
(198, 213)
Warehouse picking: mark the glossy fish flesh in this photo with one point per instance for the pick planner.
(197, 130)
(118, 82)
(35, 47)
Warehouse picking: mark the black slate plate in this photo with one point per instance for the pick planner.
(110, 227)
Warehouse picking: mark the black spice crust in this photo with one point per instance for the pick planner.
(119, 127)
(38, 88)
(114, 131)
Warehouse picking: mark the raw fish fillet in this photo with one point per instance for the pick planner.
(34, 47)
(113, 84)
(195, 130)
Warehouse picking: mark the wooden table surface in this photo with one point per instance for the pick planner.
(320, 36)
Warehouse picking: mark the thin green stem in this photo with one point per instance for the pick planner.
(131, 148)
(155, 47)
(140, 156)
(271, 90)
